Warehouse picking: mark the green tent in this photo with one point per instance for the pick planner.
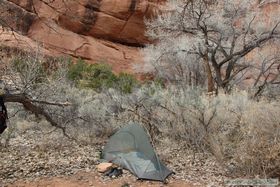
(130, 148)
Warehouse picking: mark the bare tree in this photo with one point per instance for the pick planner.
(217, 34)
(41, 90)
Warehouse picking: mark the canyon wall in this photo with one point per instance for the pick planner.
(107, 31)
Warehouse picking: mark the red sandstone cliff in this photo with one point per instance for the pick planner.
(109, 31)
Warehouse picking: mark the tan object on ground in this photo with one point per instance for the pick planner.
(103, 167)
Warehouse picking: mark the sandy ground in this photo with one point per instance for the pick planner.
(84, 179)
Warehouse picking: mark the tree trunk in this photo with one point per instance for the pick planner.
(210, 79)
(190, 78)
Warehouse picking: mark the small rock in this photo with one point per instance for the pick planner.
(103, 167)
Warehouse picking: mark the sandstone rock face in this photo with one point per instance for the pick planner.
(15, 17)
(109, 31)
(115, 20)
(57, 39)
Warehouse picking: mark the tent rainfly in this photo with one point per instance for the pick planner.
(130, 148)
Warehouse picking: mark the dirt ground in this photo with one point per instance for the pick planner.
(35, 160)
(84, 179)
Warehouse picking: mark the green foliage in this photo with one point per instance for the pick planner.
(159, 82)
(126, 82)
(99, 76)
(75, 71)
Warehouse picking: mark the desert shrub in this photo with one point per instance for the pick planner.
(31, 66)
(75, 71)
(99, 76)
(240, 132)
(258, 151)
(93, 76)
(76, 112)
(126, 82)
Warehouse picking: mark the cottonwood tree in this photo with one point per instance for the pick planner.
(215, 34)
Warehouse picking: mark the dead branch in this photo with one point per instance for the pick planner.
(29, 105)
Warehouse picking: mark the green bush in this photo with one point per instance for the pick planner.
(76, 70)
(99, 76)
(126, 82)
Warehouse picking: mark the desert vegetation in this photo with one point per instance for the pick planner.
(242, 132)
(202, 101)
(203, 46)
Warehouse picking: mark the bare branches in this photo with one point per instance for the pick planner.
(220, 34)
(247, 49)
(51, 103)
(269, 74)
(37, 110)
(38, 90)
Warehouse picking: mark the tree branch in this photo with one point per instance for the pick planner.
(37, 110)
